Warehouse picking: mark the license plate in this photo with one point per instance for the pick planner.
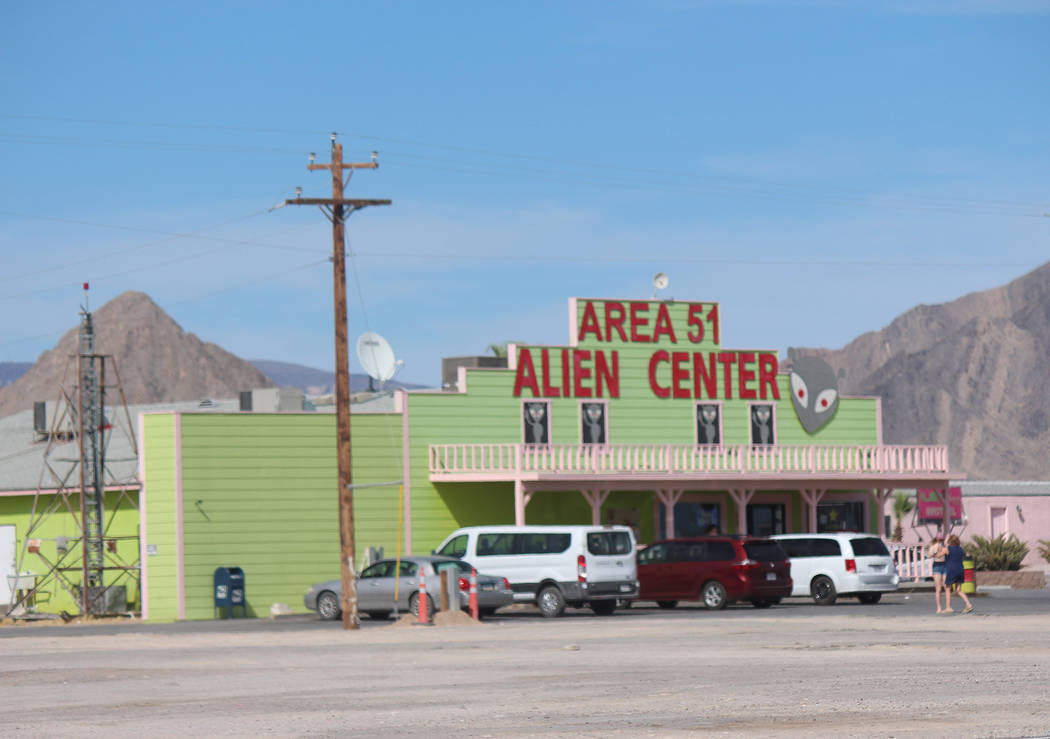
(771, 576)
(625, 588)
(488, 586)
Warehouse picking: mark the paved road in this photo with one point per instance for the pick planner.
(895, 669)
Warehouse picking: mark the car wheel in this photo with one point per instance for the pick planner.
(551, 602)
(379, 615)
(413, 606)
(713, 594)
(870, 599)
(822, 590)
(603, 607)
(328, 606)
(761, 603)
(667, 604)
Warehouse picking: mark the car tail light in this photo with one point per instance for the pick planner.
(745, 566)
(464, 584)
(581, 568)
(506, 584)
(851, 565)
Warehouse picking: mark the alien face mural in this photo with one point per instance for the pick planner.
(814, 390)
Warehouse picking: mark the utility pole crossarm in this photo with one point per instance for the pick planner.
(351, 202)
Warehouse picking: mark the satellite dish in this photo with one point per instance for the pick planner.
(659, 282)
(376, 356)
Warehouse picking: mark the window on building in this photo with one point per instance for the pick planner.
(536, 418)
(708, 423)
(593, 423)
(840, 516)
(763, 424)
(765, 519)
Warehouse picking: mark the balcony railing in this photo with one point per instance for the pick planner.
(512, 459)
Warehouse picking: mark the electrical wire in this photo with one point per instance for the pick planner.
(730, 184)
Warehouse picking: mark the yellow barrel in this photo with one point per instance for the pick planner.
(969, 585)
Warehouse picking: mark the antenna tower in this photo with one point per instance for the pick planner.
(81, 416)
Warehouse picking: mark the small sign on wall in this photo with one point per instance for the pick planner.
(151, 550)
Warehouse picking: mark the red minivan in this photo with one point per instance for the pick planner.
(716, 570)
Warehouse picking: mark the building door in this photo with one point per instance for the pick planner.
(7, 561)
(998, 522)
(765, 519)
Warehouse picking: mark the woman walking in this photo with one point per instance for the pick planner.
(953, 575)
(938, 552)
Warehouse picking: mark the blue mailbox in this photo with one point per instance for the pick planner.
(229, 589)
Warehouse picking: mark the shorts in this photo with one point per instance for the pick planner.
(955, 578)
(939, 568)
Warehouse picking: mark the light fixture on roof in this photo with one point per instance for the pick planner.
(313, 157)
(375, 156)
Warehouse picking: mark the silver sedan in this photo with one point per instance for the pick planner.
(377, 585)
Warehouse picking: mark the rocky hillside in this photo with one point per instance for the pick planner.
(973, 374)
(156, 359)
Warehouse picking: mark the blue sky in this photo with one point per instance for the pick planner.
(816, 167)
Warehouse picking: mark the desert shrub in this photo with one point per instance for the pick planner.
(1001, 553)
(1044, 549)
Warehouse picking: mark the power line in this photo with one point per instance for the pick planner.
(735, 185)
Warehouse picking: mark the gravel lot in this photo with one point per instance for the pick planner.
(839, 671)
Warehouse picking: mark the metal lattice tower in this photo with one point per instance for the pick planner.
(77, 473)
(90, 421)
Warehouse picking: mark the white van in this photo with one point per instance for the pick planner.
(826, 566)
(553, 566)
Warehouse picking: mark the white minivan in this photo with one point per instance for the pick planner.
(553, 566)
(826, 566)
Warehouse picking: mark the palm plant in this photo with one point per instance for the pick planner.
(1001, 553)
(902, 506)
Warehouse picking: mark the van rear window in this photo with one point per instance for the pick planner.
(608, 542)
(869, 546)
(765, 551)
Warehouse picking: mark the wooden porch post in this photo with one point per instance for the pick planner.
(595, 498)
(669, 498)
(741, 498)
(880, 496)
(812, 496)
(519, 502)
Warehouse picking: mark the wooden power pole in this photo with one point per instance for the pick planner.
(338, 209)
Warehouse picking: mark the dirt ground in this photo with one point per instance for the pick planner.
(833, 673)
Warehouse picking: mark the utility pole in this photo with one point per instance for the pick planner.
(338, 210)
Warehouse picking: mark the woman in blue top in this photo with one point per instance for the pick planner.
(953, 575)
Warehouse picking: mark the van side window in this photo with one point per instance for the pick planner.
(456, 547)
(493, 545)
(653, 555)
(797, 548)
(544, 543)
(720, 551)
(608, 542)
(826, 548)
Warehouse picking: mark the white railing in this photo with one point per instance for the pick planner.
(911, 559)
(505, 459)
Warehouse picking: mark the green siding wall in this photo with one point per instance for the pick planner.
(259, 492)
(158, 434)
(122, 519)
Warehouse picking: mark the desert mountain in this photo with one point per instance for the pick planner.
(973, 374)
(156, 359)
